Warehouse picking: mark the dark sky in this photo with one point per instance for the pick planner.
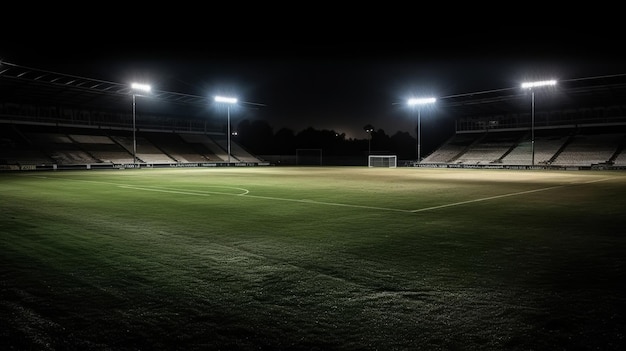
(327, 82)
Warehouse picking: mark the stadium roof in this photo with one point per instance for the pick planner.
(584, 93)
(20, 83)
(30, 85)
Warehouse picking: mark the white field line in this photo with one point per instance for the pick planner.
(207, 193)
(161, 189)
(505, 195)
(485, 199)
(246, 193)
(187, 192)
(307, 201)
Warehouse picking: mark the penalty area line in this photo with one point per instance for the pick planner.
(485, 199)
(506, 195)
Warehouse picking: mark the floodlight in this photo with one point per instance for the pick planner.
(419, 102)
(229, 101)
(144, 88)
(531, 85)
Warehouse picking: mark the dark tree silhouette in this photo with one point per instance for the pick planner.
(383, 142)
(256, 136)
(284, 142)
(403, 145)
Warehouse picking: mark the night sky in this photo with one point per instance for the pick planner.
(341, 83)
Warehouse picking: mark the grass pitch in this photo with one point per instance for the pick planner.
(313, 258)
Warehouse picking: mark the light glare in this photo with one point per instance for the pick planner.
(143, 87)
(541, 83)
(421, 101)
(225, 99)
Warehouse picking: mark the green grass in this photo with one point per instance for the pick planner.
(313, 258)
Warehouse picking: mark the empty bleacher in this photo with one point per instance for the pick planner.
(25, 144)
(572, 146)
(564, 147)
(620, 159)
(177, 148)
(145, 151)
(490, 148)
(15, 149)
(103, 148)
(236, 151)
(547, 145)
(204, 142)
(454, 147)
(589, 149)
(61, 148)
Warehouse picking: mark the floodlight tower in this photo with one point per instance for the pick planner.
(419, 102)
(531, 86)
(137, 87)
(228, 101)
(369, 129)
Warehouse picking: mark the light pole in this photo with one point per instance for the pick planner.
(136, 87)
(531, 85)
(229, 101)
(419, 102)
(369, 129)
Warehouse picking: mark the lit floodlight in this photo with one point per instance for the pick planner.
(369, 139)
(531, 85)
(541, 83)
(144, 88)
(419, 102)
(228, 100)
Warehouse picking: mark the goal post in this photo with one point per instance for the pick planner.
(388, 161)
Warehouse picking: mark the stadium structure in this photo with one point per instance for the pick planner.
(57, 121)
(53, 120)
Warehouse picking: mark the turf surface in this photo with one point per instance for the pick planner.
(313, 258)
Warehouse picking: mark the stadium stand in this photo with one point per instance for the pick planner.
(586, 149)
(103, 148)
(451, 149)
(205, 143)
(489, 148)
(16, 150)
(566, 147)
(238, 152)
(146, 152)
(176, 148)
(547, 145)
(620, 159)
(61, 148)
(29, 144)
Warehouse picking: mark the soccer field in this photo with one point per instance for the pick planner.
(313, 258)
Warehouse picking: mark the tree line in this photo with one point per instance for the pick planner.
(259, 138)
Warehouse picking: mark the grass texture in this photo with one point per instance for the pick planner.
(313, 258)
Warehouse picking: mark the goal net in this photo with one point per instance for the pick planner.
(389, 161)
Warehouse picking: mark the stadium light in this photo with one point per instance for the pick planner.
(228, 101)
(419, 102)
(369, 129)
(142, 88)
(531, 86)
